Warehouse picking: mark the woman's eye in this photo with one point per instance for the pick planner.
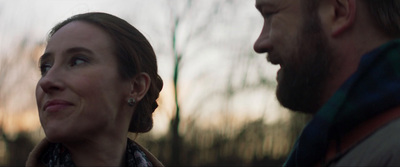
(77, 61)
(44, 68)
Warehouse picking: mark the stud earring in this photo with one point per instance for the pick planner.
(131, 101)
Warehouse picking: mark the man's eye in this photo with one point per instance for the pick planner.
(267, 14)
(44, 68)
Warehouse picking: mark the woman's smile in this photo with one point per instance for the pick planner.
(56, 105)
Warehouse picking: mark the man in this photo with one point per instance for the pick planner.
(340, 61)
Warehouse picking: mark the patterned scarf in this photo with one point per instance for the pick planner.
(373, 89)
(58, 156)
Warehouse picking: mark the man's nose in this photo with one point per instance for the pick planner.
(263, 43)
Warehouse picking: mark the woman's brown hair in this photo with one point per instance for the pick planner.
(134, 55)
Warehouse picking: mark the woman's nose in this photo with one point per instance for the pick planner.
(52, 81)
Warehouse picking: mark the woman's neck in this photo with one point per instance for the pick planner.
(98, 152)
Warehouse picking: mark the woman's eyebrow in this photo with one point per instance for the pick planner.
(47, 55)
(78, 49)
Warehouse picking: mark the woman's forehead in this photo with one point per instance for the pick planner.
(80, 34)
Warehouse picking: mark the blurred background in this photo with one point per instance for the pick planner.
(217, 107)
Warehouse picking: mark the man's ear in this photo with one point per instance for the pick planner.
(344, 16)
(139, 86)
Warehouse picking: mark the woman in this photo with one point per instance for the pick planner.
(99, 82)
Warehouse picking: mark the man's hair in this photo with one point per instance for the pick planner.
(386, 14)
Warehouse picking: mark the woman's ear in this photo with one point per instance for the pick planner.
(139, 86)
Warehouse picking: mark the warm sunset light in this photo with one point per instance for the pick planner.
(225, 90)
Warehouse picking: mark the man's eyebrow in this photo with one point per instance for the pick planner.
(260, 3)
(44, 57)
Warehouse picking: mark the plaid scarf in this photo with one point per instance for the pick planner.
(58, 156)
(373, 89)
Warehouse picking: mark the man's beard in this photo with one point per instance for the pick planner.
(303, 79)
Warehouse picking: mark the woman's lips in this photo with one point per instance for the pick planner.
(56, 105)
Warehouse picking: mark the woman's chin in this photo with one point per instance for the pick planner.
(56, 136)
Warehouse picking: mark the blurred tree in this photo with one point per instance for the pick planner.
(176, 138)
(18, 74)
(19, 149)
(191, 25)
(17, 77)
(181, 39)
(246, 73)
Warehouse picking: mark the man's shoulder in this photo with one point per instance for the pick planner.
(380, 148)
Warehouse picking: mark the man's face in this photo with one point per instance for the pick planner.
(294, 39)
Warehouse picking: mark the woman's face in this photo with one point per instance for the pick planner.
(81, 93)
